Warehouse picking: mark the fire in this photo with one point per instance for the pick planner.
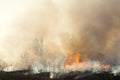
(105, 66)
(73, 61)
(78, 62)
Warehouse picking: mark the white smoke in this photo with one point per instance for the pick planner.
(89, 26)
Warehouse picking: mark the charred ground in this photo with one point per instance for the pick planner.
(76, 75)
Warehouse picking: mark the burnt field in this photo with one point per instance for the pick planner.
(76, 75)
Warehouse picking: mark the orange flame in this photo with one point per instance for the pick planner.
(77, 62)
(73, 62)
(105, 66)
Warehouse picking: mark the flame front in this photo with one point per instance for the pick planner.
(73, 61)
(77, 62)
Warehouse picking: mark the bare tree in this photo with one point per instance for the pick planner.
(40, 49)
(2, 65)
(40, 46)
(24, 58)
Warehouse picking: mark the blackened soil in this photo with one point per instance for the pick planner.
(26, 75)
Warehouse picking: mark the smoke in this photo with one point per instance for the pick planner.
(95, 29)
(89, 26)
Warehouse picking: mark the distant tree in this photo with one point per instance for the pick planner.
(24, 59)
(40, 47)
(2, 65)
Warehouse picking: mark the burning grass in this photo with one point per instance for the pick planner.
(77, 62)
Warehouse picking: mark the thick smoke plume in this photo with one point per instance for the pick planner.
(89, 26)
